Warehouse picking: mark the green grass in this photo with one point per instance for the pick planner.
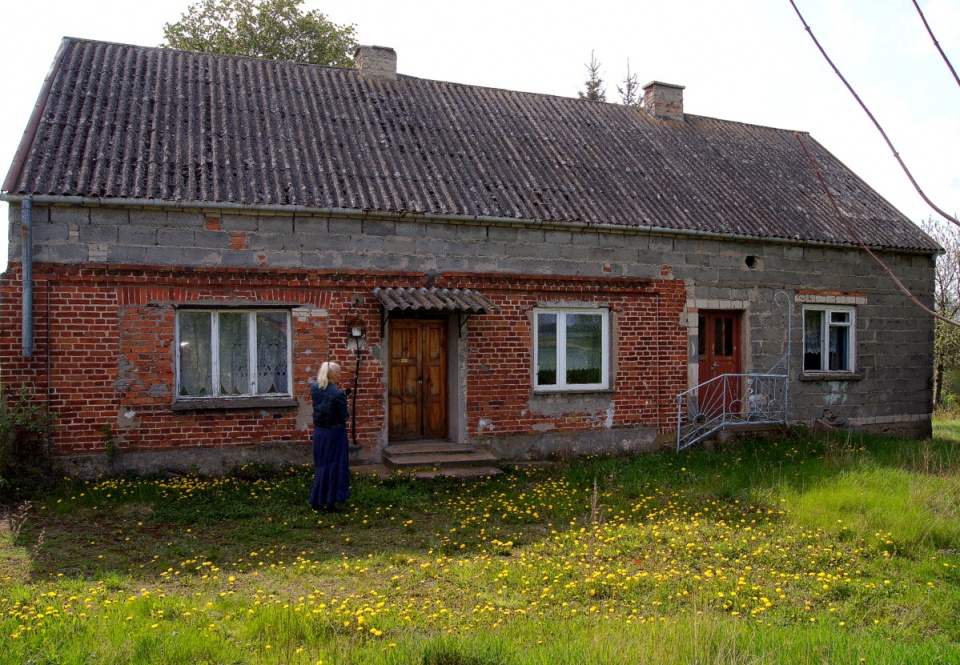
(842, 549)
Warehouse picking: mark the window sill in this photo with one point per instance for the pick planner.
(831, 376)
(539, 392)
(221, 403)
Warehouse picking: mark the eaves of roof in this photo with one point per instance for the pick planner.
(403, 216)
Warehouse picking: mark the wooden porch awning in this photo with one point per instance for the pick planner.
(465, 301)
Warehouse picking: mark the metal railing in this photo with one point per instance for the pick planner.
(730, 399)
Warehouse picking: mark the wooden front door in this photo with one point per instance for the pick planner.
(719, 353)
(418, 379)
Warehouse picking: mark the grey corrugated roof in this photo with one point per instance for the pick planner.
(432, 299)
(122, 121)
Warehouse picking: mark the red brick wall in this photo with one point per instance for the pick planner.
(648, 348)
(107, 355)
(104, 351)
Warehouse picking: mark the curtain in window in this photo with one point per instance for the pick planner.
(839, 348)
(272, 353)
(196, 354)
(234, 354)
(813, 340)
(546, 349)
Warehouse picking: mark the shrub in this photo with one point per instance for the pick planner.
(25, 462)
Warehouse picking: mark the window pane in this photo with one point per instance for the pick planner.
(546, 349)
(701, 335)
(584, 348)
(839, 317)
(839, 348)
(234, 354)
(272, 353)
(723, 336)
(195, 354)
(813, 340)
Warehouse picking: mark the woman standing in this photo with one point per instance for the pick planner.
(331, 481)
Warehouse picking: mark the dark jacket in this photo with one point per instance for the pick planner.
(329, 407)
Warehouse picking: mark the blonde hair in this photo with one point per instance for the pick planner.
(326, 369)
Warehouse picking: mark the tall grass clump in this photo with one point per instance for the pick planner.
(25, 462)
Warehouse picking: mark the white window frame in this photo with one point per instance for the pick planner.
(251, 317)
(826, 324)
(561, 360)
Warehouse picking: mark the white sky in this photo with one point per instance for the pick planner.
(744, 60)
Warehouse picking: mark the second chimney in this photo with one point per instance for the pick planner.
(376, 61)
(663, 100)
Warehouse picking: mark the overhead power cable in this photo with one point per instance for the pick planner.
(876, 124)
(856, 237)
(936, 43)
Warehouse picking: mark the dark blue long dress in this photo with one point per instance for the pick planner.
(331, 480)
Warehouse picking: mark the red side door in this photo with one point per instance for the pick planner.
(719, 353)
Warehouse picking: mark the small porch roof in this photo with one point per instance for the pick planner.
(432, 299)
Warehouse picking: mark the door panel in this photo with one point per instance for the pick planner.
(718, 354)
(435, 373)
(404, 391)
(418, 379)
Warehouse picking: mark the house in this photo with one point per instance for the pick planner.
(193, 234)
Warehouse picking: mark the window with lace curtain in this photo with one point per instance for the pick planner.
(829, 335)
(233, 353)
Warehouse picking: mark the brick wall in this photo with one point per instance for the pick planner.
(105, 352)
(648, 355)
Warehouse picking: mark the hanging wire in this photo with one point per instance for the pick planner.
(936, 43)
(863, 246)
(876, 124)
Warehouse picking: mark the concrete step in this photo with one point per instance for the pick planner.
(428, 447)
(435, 455)
(461, 472)
(475, 458)
(751, 427)
(740, 430)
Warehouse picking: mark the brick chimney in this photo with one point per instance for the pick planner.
(663, 100)
(376, 61)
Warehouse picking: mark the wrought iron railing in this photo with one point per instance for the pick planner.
(727, 400)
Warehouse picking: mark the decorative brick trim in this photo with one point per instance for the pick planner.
(830, 298)
(705, 303)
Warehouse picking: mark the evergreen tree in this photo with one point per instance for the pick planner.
(593, 86)
(274, 29)
(629, 93)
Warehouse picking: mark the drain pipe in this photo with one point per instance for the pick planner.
(26, 229)
(356, 386)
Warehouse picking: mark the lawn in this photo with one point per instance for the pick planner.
(843, 549)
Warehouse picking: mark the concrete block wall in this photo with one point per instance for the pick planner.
(890, 391)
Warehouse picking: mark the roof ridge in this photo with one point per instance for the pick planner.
(411, 77)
